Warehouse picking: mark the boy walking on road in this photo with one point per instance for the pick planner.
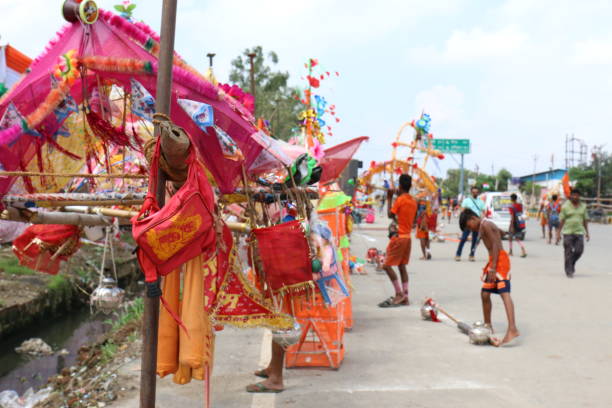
(553, 211)
(517, 225)
(402, 213)
(496, 274)
(477, 206)
(574, 227)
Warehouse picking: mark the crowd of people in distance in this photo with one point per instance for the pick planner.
(567, 219)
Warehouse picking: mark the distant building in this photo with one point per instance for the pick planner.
(546, 179)
(13, 64)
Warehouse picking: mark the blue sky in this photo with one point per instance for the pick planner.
(514, 76)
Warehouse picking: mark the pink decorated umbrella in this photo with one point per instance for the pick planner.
(115, 51)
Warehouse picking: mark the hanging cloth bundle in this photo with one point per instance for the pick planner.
(285, 257)
(182, 229)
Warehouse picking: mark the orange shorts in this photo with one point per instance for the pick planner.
(421, 234)
(502, 270)
(398, 251)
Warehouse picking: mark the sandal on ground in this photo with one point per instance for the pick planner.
(388, 303)
(260, 388)
(261, 374)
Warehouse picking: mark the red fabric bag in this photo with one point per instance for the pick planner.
(182, 229)
(44, 247)
(285, 255)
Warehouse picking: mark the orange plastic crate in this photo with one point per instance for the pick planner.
(336, 220)
(322, 341)
(348, 313)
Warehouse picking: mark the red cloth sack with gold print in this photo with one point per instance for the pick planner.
(182, 229)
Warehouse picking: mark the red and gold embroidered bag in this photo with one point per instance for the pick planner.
(182, 229)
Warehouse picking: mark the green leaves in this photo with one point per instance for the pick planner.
(274, 98)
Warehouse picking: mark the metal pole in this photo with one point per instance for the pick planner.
(252, 75)
(461, 175)
(535, 161)
(210, 56)
(153, 292)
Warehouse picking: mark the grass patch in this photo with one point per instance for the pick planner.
(58, 283)
(108, 350)
(11, 266)
(132, 313)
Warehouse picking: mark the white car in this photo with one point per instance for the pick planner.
(496, 209)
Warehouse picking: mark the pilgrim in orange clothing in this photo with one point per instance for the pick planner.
(402, 213)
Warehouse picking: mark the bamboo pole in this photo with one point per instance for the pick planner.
(100, 203)
(54, 217)
(151, 299)
(109, 212)
(70, 175)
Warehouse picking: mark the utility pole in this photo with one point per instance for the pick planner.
(494, 176)
(597, 156)
(276, 115)
(252, 75)
(535, 162)
(210, 56)
(150, 319)
(461, 178)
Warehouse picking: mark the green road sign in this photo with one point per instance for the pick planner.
(459, 146)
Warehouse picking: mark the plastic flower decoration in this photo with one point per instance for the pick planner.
(67, 67)
(125, 9)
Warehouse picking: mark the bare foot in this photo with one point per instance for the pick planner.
(422, 258)
(494, 341)
(510, 335)
(262, 373)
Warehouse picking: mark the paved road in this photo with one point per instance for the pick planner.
(395, 359)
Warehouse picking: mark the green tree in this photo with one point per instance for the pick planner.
(585, 178)
(275, 100)
(450, 184)
(503, 180)
(530, 187)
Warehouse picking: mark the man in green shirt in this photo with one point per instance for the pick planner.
(574, 227)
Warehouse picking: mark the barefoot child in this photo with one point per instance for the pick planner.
(496, 274)
(398, 250)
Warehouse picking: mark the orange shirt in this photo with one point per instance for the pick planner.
(404, 208)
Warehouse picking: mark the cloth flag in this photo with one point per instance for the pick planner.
(202, 115)
(143, 103)
(337, 158)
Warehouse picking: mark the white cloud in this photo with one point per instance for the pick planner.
(475, 45)
(444, 103)
(592, 52)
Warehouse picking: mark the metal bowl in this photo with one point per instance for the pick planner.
(480, 333)
(108, 296)
(286, 338)
(426, 310)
